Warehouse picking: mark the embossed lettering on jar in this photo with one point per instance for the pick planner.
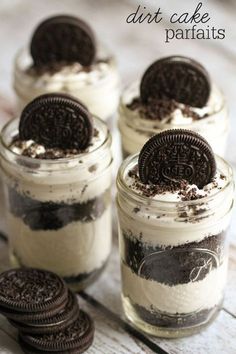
(174, 253)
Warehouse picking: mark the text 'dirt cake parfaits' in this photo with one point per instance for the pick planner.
(56, 163)
(174, 93)
(174, 205)
(64, 56)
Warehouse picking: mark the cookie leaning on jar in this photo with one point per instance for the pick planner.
(174, 92)
(174, 206)
(56, 161)
(65, 57)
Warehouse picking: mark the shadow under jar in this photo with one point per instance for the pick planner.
(173, 256)
(136, 127)
(59, 211)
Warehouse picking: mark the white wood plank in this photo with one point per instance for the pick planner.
(109, 337)
(135, 47)
(230, 298)
(8, 345)
(4, 259)
(219, 338)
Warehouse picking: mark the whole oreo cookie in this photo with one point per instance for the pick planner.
(26, 317)
(63, 39)
(175, 155)
(61, 320)
(74, 339)
(29, 291)
(56, 121)
(179, 78)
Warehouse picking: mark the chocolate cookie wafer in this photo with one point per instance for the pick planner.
(178, 78)
(57, 121)
(28, 290)
(53, 324)
(63, 39)
(175, 155)
(74, 339)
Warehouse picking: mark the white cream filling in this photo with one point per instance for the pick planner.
(69, 191)
(169, 235)
(74, 249)
(81, 178)
(214, 104)
(159, 229)
(181, 298)
(136, 130)
(210, 189)
(98, 89)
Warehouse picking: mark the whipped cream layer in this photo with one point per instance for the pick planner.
(59, 210)
(77, 177)
(181, 298)
(167, 219)
(98, 86)
(72, 250)
(213, 122)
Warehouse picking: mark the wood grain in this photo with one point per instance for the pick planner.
(109, 336)
(135, 47)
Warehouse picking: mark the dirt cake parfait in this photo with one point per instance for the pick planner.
(174, 92)
(64, 56)
(174, 206)
(56, 162)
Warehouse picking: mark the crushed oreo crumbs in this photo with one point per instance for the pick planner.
(162, 109)
(37, 151)
(150, 190)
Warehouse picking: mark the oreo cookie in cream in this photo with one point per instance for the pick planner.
(174, 205)
(57, 162)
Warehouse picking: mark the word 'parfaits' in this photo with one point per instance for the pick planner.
(194, 33)
(196, 18)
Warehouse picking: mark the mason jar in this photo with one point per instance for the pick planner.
(98, 86)
(135, 129)
(59, 211)
(173, 256)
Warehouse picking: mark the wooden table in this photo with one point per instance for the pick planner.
(135, 47)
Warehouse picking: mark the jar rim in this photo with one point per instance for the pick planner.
(123, 187)
(158, 125)
(4, 147)
(23, 52)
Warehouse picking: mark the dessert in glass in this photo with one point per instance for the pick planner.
(180, 94)
(64, 56)
(56, 166)
(174, 206)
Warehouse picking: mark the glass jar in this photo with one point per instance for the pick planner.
(98, 88)
(136, 130)
(173, 256)
(59, 211)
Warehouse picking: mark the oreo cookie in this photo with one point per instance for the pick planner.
(176, 78)
(61, 320)
(63, 39)
(74, 339)
(56, 121)
(31, 291)
(26, 317)
(176, 155)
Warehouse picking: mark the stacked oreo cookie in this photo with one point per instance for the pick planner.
(47, 314)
